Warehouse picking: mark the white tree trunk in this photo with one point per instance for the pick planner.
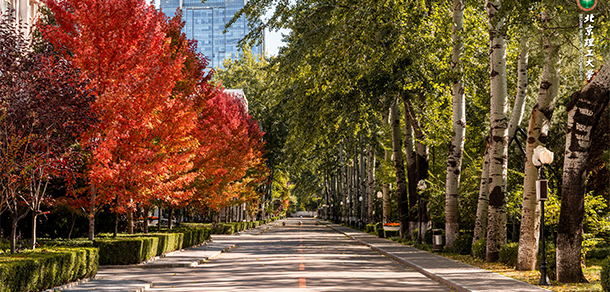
(496, 229)
(584, 111)
(537, 135)
(480, 224)
(456, 149)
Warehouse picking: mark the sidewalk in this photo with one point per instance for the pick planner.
(459, 276)
(185, 258)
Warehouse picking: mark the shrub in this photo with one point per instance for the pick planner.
(380, 231)
(392, 233)
(479, 248)
(598, 253)
(605, 275)
(463, 244)
(428, 236)
(126, 250)
(42, 269)
(508, 254)
(76, 242)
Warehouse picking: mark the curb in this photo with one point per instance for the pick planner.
(187, 265)
(69, 285)
(145, 285)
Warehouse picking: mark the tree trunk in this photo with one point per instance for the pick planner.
(496, 230)
(584, 111)
(116, 224)
(145, 217)
(170, 216)
(34, 217)
(14, 235)
(540, 120)
(161, 216)
(344, 187)
(480, 224)
(411, 173)
(480, 227)
(370, 186)
(399, 167)
(91, 215)
(456, 149)
(130, 221)
(422, 161)
(363, 183)
(72, 225)
(387, 207)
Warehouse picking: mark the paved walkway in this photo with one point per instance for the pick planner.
(307, 257)
(457, 275)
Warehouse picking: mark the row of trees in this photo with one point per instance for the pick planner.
(373, 96)
(112, 97)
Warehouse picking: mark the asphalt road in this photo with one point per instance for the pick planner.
(305, 257)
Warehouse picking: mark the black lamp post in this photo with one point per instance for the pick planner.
(421, 186)
(542, 157)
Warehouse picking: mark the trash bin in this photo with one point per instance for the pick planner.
(437, 240)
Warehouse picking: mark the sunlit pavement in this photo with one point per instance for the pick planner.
(286, 258)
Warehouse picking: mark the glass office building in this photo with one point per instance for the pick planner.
(205, 23)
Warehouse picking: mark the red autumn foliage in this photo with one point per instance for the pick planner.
(164, 132)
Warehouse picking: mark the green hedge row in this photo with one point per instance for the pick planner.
(133, 249)
(43, 269)
(128, 250)
(231, 227)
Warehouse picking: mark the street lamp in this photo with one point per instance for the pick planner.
(421, 186)
(542, 157)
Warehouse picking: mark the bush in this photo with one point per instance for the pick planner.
(380, 231)
(479, 248)
(428, 236)
(391, 233)
(463, 244)
(508, 254)
(598, 253)
(76, 242)
(605, 275)
(126, 250)
(43, 269)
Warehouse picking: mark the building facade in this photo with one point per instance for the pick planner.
(205, 23)
(25, 11)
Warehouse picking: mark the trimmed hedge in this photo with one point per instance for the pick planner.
(130, 249)
(43, 269)
(126, 250)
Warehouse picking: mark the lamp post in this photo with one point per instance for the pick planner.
(542, 157)
(421, 186)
